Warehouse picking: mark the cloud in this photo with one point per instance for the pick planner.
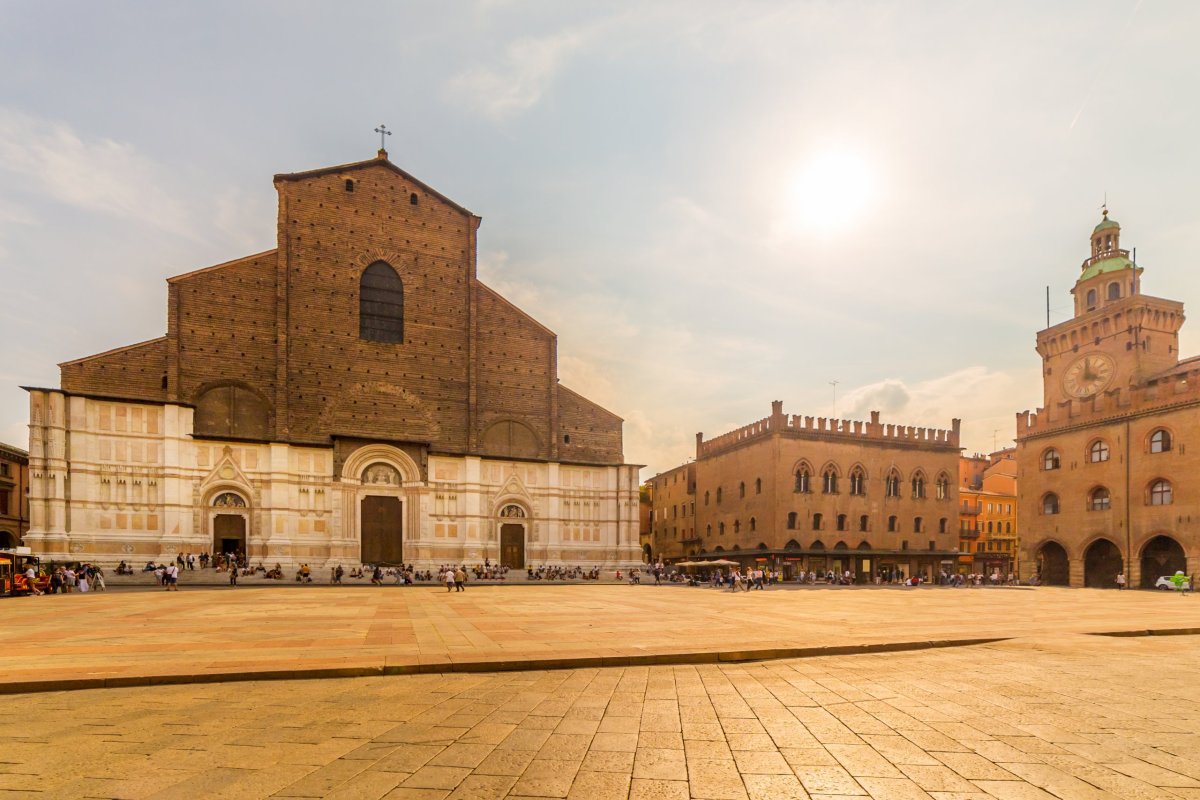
(527, 70)
(986, 397)
(92, 174)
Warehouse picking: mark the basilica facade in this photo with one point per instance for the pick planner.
(355, 394)
(1108, 464)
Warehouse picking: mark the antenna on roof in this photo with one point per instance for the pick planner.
(1047, 306)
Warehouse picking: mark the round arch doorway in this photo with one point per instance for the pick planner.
(1162, 555)
(1101, 564)
(1053, 567)
(512, 536)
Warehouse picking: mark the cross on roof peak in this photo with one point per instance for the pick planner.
(382, 131)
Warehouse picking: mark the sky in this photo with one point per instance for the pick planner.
(846, 206)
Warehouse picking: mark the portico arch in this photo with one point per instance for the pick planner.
(1053, 566)
(1161, 555)
(227, 512)
(1102, 561)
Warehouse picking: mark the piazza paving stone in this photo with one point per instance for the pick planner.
(1046, 709)
(199, 633)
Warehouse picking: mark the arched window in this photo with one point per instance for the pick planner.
(791, 520)
(1160, 493)
(942, 525)
(892, 484)
(708, 530)
(1091, 298)
(829, 480)
(1099, 499)
(918, 524)
(864, 522)
(802, 480)
(720, 528)
(1114, 291)
(381, 304)
(753, 524)
(758, 485)
(891, 524)
(719, 493)
(1008, 527)
(1050, 503)
(817, 520)
(1098, 451)
(943, 487)
(1050, 460)
(989, 529)
(858, 481)
(737, 526)
(918, 486)
(841, 522)
(742, 489)
(1160, 441)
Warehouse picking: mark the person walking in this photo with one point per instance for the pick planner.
(1120, 580)
(448, 577)
(233, 575)
(172, 578)
(460, 580)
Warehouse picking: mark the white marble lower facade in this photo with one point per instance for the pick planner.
(113, 480)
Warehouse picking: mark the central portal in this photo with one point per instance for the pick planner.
(381, 530)
(229, 534)
(512, 545)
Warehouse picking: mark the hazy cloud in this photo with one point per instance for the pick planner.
(518, 82)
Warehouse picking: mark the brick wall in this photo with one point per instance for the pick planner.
(135, 372)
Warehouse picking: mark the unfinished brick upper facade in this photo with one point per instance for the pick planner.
(275, 348)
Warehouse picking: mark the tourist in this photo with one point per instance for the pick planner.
(1120, 580)
(448, 577)
(233, 576)
(98, 579)
(82, 581)
(460, 580)
(172, 578)
(31, 581)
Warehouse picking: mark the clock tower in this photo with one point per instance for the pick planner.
(1117, 337)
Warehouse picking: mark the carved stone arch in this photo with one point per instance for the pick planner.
(831, 465)
(803, 462)
(357, 463)
(233, 409)
(858, 465)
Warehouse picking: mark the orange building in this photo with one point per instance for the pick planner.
(14, 495)
(987, 524)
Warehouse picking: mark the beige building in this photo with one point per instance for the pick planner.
(1108, 465)
(14, 500)
(800, 493)
(354, 394)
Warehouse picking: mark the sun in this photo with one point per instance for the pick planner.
(829, 192)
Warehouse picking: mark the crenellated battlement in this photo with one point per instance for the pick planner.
(800, 426)
(1178, 388)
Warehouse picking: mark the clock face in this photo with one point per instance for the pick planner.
(1088, 375)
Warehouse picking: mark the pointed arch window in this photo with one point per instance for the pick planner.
(918, 486)
(858, 481)
(892, 484)
(942, 488)
(802, 480)
(381, 304)
(829, 481)
(758, 485)
(737, 526)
